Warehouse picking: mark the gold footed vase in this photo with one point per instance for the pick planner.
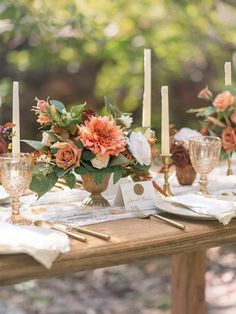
(95, 199)
(185, 175)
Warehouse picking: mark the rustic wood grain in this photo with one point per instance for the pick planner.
(131, 240)
(188, 283)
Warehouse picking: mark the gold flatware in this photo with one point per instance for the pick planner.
(139, 214)
(96, 234)
(59, 227)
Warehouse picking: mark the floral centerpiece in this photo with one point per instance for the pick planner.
(219, 117)
(180, 155)
(79, 141)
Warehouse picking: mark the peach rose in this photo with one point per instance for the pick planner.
(233, 117)
(42, 105)
(43, 119)
(229, 139)
(67, 156)
(205, 93)
(223, 101)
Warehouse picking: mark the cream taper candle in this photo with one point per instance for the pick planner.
(165, 133)
(16, 119)
(228, 74)
(146, 119)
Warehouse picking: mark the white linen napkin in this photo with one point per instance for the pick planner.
(222, 210)
(42, 244)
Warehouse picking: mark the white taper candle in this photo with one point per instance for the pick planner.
(146, 118)
(16, 119)
(228, 74)
(165, 133)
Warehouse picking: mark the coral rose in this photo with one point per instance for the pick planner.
(229, 139)
(67, 156)
(205, 93)
(102, 136)
(233, 117)
(223, 101)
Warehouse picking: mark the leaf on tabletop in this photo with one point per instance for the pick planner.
(58, 105)
(37, 145)
(41, 184)
(70, 180)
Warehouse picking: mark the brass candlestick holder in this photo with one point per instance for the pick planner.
(230, 170)
(166, 163)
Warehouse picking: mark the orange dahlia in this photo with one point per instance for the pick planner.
(102, 136)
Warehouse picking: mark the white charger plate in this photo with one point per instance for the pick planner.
(4, 196)
(180, 211)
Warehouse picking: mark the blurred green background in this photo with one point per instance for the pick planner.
(81, 50)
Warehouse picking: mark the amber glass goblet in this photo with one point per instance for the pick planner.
(204, 154)
(15, 176)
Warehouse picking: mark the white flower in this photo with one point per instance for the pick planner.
(67, 115)
(100, 161)
(126, 120)
(140, 148)
(47, 139)
(44, 159)
(184, 135)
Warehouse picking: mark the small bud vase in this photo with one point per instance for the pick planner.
(185, 175)
(95, 199)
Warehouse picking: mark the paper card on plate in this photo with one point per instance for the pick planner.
(141, 194)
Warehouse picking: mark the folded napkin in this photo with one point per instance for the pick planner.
(43, 245)
(222, 210)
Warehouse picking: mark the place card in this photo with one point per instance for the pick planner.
(139, 194)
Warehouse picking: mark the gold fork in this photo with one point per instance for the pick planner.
(139, 214)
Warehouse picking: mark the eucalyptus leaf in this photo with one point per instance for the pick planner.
(37, 145)
(58, 105)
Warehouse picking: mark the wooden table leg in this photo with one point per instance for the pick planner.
(188, 283)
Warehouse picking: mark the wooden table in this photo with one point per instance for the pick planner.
(133, 240)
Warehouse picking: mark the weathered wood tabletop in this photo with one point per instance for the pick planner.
(132, 240)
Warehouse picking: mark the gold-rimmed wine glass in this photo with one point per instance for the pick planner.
(15, 175)
(204, 154)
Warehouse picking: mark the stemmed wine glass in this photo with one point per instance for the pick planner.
(15, 176)
(204, 154)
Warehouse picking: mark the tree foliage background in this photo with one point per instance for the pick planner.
(81, 50)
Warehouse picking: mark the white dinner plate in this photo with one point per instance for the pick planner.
(4, 196)
(180, 211)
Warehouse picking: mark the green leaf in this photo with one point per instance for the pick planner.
(79, 144)
(87, 166)
(37, 145)
(111, 107)
(87, 155)
(58, 105)
(60, 172)
(70, 180)
(117, 176)
(77, 110)
(98, 177)
(80, 170)
(119, 160)
(41, 184)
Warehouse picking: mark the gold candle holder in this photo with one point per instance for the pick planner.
(166, 163)
(229, 170)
